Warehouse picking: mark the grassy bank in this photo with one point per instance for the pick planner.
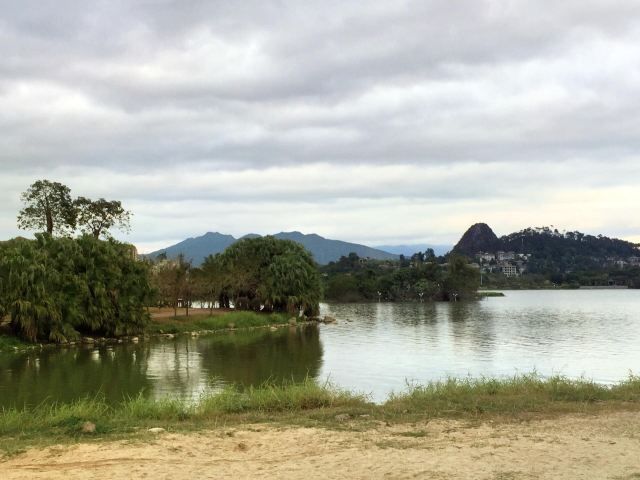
(180, 324)
(10, 343)
(520, 394)
(308, 403)
(483, 293)
(242, 319)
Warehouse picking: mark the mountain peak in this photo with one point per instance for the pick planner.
(478, 238)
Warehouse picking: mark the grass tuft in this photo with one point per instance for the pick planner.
(166, 409)
(270, 398)
(522, 393)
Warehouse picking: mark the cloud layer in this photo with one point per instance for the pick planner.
(376, 122)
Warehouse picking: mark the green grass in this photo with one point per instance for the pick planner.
(525, 393)
(183, 324)
(311, 404)
(60, 423)
(270, 398)
(219, 322)
(10, 343)
(483, 293)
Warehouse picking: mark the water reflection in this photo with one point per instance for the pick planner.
(184, 367)
(254, 357)
(374, 348)
(471, 327)
(66, 374)
(188, 367)
(595, 334)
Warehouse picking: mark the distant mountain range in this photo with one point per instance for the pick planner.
(323, 249)
(408, 250)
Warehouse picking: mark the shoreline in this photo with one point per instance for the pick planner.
(310, 404)
(188, 326)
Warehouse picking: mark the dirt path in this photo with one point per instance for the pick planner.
(606, 446)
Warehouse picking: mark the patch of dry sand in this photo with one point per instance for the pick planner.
(605, 446)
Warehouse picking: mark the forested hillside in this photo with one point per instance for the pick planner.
(555, 251)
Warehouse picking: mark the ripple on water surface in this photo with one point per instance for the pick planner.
(374, 348)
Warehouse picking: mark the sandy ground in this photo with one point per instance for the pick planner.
(606, 446)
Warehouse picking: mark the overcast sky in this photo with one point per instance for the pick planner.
(376, 122)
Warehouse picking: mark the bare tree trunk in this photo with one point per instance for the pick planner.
(49, 216)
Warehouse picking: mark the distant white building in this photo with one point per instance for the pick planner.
(509, 270)
(502, 256)
(485, 257)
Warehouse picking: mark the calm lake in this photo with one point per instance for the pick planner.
(374, 348)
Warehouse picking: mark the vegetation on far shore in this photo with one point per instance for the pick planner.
(484, 293)
(311, 404)
(8, 342)
(423, 278)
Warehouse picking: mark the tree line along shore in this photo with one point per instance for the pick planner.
(73, 280)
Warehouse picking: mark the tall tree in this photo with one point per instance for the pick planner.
(171, 280)
(212, 279)
(96, 217)
(48, 208)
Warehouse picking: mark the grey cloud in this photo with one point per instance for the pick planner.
(220, 88)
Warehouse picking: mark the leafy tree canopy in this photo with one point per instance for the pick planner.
(47, 208)
(96, 217)
(56, 289)
(280, 275)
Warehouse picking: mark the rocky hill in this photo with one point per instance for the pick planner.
(551, 250)
(478, 238)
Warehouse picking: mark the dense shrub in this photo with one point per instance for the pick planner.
(55, 289)
(279, 274)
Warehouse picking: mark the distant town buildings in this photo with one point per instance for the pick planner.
(485, 257)
(510, 264)
(504, 256)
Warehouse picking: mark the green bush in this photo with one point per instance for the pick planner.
(55, 289)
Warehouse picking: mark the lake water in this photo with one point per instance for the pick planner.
(374, 348)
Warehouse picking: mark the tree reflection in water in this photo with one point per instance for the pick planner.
(251, 358)
(184, 367)
(64, 375)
